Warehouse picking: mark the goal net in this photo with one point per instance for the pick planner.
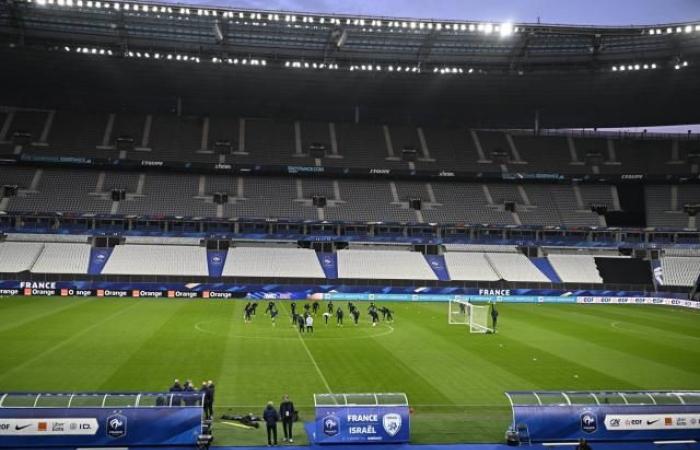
(462, 312)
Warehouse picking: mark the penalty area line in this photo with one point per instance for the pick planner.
(311, 357)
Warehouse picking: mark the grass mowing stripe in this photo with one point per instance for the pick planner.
(46, 313)
(311, 357)
(64, 342)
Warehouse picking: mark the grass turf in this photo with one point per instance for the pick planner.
(454, 380)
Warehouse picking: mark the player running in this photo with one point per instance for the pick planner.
(339, 317)
(315, 307)
(375, 316)
(355, 315)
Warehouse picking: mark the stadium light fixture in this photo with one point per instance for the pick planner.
(506, 29)
(688, 28)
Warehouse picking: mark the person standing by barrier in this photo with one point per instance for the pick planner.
(271, 418)
(494, 317)
(287, 412)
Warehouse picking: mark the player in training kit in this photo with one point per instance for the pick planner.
(494, 316)
(315, 306)
(273, 314)
(375, 316)
(247, 311)
(356, 315)
(293, 306)
(310, 324)
(384, 310)
(270, 307)
(351, 307)
(253, 308)
(301, 323)
(330, 307)
(389, 315)
(326, 315)
(339, 317)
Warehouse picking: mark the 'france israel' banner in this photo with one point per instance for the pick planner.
(347, 425)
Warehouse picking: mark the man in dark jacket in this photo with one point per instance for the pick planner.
(287, 413)
(176, 388)
(208, 391)
(271, 418)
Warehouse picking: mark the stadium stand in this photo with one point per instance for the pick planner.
(470, 266)
(268, 262)
(18, 256)
(383, 264)
(63, 258)
(575, 268)
(680, 271)
(173, 260)
(515, 267)
(482, 248)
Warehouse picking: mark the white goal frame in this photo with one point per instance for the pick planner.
(462, 312)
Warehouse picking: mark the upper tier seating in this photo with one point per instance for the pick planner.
(157, 260)
(272, 262)
(384, 264)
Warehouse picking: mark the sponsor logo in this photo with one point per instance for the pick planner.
(116, 426)
(58, 427)
(380, 171)
(223, 166)
(614, 423)
(205, 294)
(650, 422)
(42, 426)
(27, 291)
(668, 421)
(171, 294)
(216, 260)
(9, 291)
(632, 177)
(100, 292)
(331, 425)
(22, 427)
(214, 294)
(589, 423)
(391, 423)
(446, 174)
(135, 293)
(64, 292)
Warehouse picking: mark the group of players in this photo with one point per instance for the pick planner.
(305, 319)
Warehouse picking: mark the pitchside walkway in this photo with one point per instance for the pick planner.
(594, 446)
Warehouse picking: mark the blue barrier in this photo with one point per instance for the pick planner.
(361, 419)
(109, 420)
(606, 416)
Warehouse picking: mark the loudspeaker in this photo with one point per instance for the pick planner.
(124, 142)
(691, 209)
(319, 201)
(21, 137)
(409, 153)
(499, 156)
(223, 146)
(317, 150)
(220, 198)
(601, 210)
(415, 203)
(509, 205)
(594, 158)
(118, 195)
(9, 190)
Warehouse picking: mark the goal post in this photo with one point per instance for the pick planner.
(478, 317)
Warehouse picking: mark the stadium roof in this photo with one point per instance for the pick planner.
(488, 74)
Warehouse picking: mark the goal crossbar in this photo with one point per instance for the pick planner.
(462, 312)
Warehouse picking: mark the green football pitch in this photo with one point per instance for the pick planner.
(454, 380)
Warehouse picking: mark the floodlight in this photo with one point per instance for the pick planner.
(506, 29)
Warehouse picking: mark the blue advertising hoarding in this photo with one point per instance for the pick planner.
(549, 416)
(101, 427)
(381, 418)
(376, 424)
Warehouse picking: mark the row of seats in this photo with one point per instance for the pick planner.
(38, 257)
(169, 259)
(267, 141)
(680, 270)
(51, 190)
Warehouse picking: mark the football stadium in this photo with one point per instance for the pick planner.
(225, 227)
